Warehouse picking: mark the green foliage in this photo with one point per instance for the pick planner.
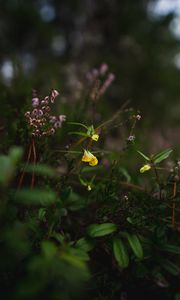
(8, 164)
(162, 156)
(135, 245)
(35, 197)
(120, 253)
(98, 230)
(69, 230)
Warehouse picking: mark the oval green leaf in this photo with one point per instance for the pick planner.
(120, 253)
(98, 230)
(135, 245)
(162, 156)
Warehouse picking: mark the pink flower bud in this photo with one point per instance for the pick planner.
(111, 77)
(46, 99)
(40, 113)
(52, 131)
(34, 112)
(103, 69)
(57, 124)
(62, 118)
(52, 119)
(35, 102)
(27, 114)
(43, 102)
(54, 94)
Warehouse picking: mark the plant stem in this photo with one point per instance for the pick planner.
(174, 204)
(157, 177)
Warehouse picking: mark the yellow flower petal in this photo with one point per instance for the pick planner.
(93, 162)
(95, 137)
(89, 188)
(87, 157)
(90, 158)
(145, 168)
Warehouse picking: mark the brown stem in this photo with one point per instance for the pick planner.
(23, 172)
(174, 204)
(132, 186)
(132, 128)
(34, 162)
(157, 177)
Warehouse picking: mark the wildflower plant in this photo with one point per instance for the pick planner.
(88, 206)
(40, 119)
(41, 124)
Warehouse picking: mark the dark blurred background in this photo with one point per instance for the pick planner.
(52, 43)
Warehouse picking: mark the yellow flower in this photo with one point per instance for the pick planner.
(145, 168)
(89, 188)
(90, 158)
(95, 137)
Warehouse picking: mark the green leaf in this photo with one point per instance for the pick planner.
(73, 260)
(171, 248)
(83, 255)
(79, 133)
(35, 197)
(79, 124)
(90, 130)
(15, 154)
(135, 245)
(8, 165)
(98, 230)
(170, 267)
(58, 237)
(41, 169)
(6, 170)
(143, 155)
(66, 193)
(129, 220)
(125, 173)
(162, 156)
(82, 181)
(85, 244)
(41, 214)
(49, 249)
(120, 253)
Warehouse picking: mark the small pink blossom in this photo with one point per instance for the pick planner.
(35, 102)
(62, 118)
(54, 94)
(103, 69)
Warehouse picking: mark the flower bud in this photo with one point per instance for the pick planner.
(62, 118)
(52, 119)
(103, 69)
(40, 113)
(131, 138)
(35, 113)
(54, 94)
(35, 102)
(27, 114)
(57, 124)
(52, 131)
(47, 109)
(43, 102)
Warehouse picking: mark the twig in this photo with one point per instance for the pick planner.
(23, 172)
(174, 203)
(34, 162)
